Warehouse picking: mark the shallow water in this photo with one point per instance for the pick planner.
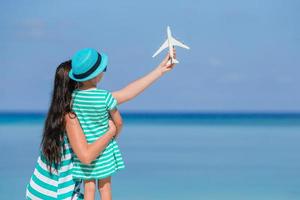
(179, 159)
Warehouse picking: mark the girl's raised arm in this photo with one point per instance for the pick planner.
(84, 151)
(138, 86)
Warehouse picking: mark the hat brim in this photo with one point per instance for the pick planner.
(100, 68)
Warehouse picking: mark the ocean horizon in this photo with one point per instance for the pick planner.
(14, 116)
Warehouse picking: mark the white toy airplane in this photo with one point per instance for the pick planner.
(170, 42)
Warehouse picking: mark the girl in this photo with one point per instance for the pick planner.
(52, 177)
(93, 107)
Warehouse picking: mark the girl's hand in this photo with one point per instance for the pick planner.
(112, 128)
(166, 64)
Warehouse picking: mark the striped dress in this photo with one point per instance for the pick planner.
(59, 184)
(92, 108)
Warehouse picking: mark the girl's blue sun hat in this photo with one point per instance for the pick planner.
(87, 64)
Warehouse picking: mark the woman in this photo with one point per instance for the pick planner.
(52, 178)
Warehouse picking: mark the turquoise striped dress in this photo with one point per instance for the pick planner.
(92, 108)
(58, 185)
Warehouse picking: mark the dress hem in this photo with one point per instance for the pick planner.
(97, 178)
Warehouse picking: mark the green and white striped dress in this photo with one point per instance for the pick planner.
(92, 108)
(58, 185)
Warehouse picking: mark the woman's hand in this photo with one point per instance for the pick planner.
(166, 64)
(112, 128)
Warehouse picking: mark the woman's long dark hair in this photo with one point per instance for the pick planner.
(54, 128)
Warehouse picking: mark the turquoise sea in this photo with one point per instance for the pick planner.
(210, 156)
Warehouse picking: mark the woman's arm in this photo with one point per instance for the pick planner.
(84, 151)
(138, 86)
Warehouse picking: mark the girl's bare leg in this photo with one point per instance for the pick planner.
(104, 186)
(89, 189)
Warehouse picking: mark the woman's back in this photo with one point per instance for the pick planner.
(56, 185)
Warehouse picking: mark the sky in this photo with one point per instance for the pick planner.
(244, 56)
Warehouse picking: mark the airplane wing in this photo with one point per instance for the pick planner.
(177, 43)
(163, 46)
